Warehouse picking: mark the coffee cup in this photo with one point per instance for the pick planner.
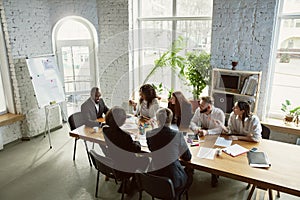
(95, 129)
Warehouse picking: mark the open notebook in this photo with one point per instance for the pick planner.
(235, 150)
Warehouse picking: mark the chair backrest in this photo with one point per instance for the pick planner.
(75, 120)
(265, 133)
(157, 186)
(102, 164)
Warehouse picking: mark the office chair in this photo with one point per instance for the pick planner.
(265, 134)
(156, 186)
(104, 165)
(75, 120)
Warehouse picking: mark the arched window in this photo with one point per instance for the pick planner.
(75, 47)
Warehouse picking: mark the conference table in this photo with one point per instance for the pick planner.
(283, 175)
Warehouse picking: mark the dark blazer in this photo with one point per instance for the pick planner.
(122, 148)
(89, 112)
(167, 145)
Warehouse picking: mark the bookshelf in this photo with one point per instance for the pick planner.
(229, 86)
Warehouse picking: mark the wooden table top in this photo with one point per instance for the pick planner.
(283, 175)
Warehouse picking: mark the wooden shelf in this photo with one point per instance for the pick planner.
(10, 118)
(225, 97)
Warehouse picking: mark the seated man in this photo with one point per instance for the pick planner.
(167, 146)
(93, 108)
(208, 120)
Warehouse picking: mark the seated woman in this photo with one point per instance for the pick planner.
(148, 103)
(181, 108)
(167, 146)
(243, 124)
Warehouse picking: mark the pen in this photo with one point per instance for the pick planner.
(194, 145)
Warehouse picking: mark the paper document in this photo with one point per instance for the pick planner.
(223, 142)
(129, 127)
(143, 140)
(235, 150)
(207, 153)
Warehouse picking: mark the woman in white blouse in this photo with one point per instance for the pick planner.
(243, 124)
(148, 103)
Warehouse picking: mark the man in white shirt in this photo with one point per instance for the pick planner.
(207, 118)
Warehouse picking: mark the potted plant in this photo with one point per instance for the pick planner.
(290, 113)
(286, 107)
(171, 58)
(197, 71)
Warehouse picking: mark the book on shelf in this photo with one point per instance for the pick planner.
(258, 159)
(250, 85)
(235, 150)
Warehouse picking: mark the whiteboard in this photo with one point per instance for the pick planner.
(46, 80)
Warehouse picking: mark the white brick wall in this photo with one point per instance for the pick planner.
(113, 57)
(243, 29)
(28, 27)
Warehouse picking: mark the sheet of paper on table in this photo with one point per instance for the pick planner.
(207, 153)
(222, 142)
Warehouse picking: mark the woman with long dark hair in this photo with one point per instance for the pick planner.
(243, 124)
(148, 102)
(181, 108)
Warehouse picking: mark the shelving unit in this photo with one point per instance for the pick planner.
(229, 86)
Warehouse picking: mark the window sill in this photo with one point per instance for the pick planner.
(279, 126)
(9, 118)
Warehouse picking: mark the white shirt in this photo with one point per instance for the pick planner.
(208, 121)
(148, 112)
(252, 126)
(97, 107)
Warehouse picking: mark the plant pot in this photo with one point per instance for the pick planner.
(288, 118)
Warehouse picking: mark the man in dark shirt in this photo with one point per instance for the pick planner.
(167, 146)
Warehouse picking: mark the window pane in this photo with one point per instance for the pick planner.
(156, 34)
(156, 8)
(194, 7)
(73, 30)
(291, 6)
(2, 98)
(286, 78)
(77, 77)
(197, 33)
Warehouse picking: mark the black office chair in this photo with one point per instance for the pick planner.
(156, 186)
(75, 120)
(104, 165)
(265, 134)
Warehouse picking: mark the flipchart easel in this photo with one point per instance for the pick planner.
(47, 84)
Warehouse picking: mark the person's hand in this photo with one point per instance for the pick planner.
(219, 123)
(196, 131)
(133, 103)
(202, 132)
(233, 137)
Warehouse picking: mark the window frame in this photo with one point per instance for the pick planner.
(5, 75)
(173, 19)
(280, 17)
